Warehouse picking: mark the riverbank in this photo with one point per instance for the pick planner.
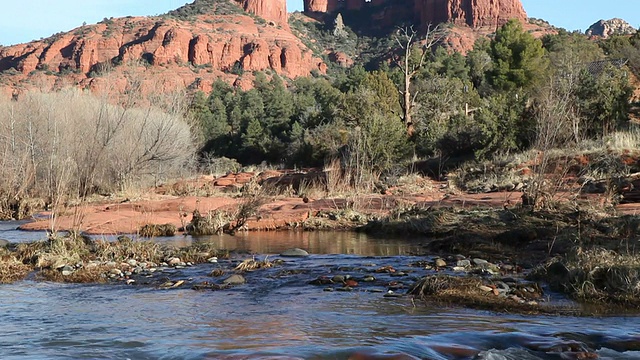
(495, 252)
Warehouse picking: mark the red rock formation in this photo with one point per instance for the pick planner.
(474, 13)
(176, 53)
(271, 10)
(322, 6)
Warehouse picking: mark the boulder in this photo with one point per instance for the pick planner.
(294, 253)
(234, 280)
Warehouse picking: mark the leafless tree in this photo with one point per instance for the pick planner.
(415, 49)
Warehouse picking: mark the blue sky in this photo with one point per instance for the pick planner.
(26, 20)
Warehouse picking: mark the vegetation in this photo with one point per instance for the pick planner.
(203, 7)
(70, 144)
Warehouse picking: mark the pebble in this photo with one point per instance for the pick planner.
(369, 279)
(234, 280)
(503, 286)
(110, 263)
(116, 272)
(67, 270)
(351, 283)
(130, 282)
(485, 288)
(480, 262)
(440, 263)
(174, 261)
(132, 262)
(507, 267)
(338, 279)
(295, 252)
(459, 268)
(463, 263)
(212, 260)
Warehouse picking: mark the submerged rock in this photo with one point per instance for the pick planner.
(235, 280)
(296, 252)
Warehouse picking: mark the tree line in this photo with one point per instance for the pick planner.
(505, 95)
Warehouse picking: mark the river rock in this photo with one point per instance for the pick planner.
(296, 252)
(212, 260)
(235, 280)
(480, 262)
(338, 279)
(132, 262)
(116, 272)
(440, 262)
(485, 288)
(67, 270)
(463, 263)
(4, 243)
(174, 261)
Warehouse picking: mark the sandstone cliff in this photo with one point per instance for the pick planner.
(271, 10)
(474, 13)
(182, 53)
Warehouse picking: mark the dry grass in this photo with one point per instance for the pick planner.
(417, 219)
(95, 274)
(12, 270)
(465, 291)
(126, 248)
(253, 264)
(156, 230)
(212, 223)
(595, 275)
(197, 253)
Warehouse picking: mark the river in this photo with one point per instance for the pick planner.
(275, 315)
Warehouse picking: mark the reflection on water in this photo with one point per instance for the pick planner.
(274, 242)
(271, 242)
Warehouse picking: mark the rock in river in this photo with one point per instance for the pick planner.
(294, 253)
(235, 280)
(3, 242)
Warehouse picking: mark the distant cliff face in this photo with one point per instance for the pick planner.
(606, 28)
(271, 10)
(474, 13)
(190, 53)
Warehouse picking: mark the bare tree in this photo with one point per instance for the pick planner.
(410, 60)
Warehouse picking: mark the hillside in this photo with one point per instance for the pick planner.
(200, 42)
(189, 47)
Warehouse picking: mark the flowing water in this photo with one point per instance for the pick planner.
(276, 315)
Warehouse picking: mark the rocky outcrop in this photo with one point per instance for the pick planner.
(183, 53)
(474, 13)
(607, 28)
(270, 10)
